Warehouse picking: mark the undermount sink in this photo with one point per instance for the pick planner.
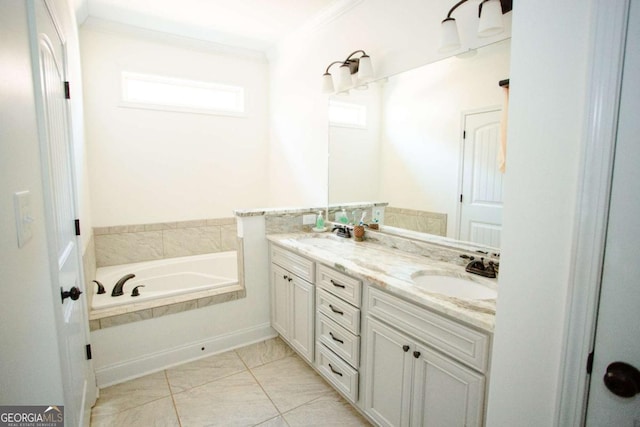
(456, 287)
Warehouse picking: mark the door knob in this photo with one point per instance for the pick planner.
(622, 379)
(73, 293)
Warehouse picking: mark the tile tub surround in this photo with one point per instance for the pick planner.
(262, 384)
(124, 244)
(391, 269)
(415, 220)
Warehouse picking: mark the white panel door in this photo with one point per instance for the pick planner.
(445, 393)
(481, 197)
(280, 298)
(388, 371)
(618, 326)
(73, 335)
(302, 316)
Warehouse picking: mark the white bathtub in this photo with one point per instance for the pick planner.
(166, 278)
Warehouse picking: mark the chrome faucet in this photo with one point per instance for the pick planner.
(117, 289)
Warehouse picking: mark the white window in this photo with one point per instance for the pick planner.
(172, 94)
(347, 114)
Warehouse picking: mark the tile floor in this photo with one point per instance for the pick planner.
(264, 384)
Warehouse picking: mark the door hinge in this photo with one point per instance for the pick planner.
(88, 351)
(461, 198)
(67, 90)
(77, 224)
(590, 363)
(464, 134)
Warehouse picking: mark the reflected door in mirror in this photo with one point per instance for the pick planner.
(481, 199)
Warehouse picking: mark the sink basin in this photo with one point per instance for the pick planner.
(456, 287)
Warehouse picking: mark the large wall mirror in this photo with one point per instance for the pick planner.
(426, 141)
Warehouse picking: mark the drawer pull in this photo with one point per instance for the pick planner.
(334, 371)
(285, 277)
(337, 285)
(335, 310)
(405, 348)
(336, 339)
(416, 354)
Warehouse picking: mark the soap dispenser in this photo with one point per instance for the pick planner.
(319, 223)
(344, 219)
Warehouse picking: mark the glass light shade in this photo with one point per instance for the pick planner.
(344, 77)
(449, 38)
(490, 19)
(327, 83)
(365, 70)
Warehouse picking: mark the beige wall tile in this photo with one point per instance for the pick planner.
(122, 319)
(229, 237)
(217, 299)
(124, 248)
(174, 308)
(191, 241)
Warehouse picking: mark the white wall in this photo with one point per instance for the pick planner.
(548, 85)
(30, 368)
(398, 35)
(153, 166)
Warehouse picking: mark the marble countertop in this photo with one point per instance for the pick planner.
(392, 270)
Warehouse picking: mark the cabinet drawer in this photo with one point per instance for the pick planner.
(339, 311)
(339, 340)
(295, 264)
(341, 285)
(337, 372)
(462, 343)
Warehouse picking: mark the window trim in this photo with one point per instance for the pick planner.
(241, 93)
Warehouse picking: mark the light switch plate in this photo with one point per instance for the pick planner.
(24, 219)
(308, 219)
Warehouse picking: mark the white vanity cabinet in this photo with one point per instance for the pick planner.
(292, 299)
(421, 369)
(338, 302)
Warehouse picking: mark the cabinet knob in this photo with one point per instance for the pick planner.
(416, 354)
(405, 348)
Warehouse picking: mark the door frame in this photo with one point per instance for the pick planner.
(609, 21)
(463, 120)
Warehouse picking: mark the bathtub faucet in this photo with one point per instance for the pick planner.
(117, 289)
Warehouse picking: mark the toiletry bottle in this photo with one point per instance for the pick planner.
(344, 219)
(319, 221)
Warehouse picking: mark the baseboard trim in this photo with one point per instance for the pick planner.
(154, 362)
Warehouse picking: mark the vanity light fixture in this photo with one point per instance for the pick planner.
(358, 67)
(490, 13)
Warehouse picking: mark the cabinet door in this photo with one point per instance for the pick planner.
(445, 393)
(388, 371)
(280, 296)
(301, 334)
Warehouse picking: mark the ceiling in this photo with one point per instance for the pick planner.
(249, 24)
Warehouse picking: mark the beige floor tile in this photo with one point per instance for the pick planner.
(274, 422)
(264, 352)
(290, 382)
(205, 370)
(132, 394)
(159, 413)
(236, 400)
(328, 410)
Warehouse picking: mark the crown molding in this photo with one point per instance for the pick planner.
(112, 27)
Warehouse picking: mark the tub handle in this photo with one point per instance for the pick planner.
(135, 291)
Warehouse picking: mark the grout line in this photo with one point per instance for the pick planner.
(264, 391)
(173, 400)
